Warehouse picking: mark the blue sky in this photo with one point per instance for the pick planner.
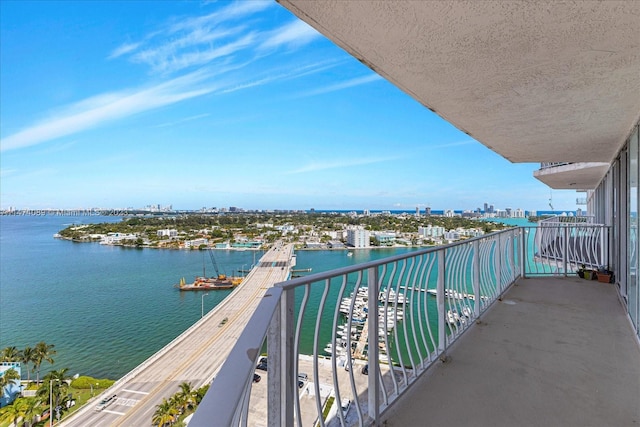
(203, 104)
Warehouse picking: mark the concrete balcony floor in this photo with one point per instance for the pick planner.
(554, 352)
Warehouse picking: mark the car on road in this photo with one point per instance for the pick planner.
(365, 369)
(105, 402)
(345, 405)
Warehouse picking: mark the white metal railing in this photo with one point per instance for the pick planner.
(565, 219)
(546, 165)
(395, 316)
(562, 248)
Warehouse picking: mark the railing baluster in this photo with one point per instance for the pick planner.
(442, 315)
(373, 392)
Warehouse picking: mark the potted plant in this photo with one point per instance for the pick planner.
(605, 275)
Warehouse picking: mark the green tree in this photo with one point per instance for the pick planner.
(56, 382)
(199, 393)
(42, 352)
(10, 354)
(165, 414)
(185, 398)
(10, 376)
(28, 355)
(15, 412)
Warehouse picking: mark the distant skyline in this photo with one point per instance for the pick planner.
(202, 104)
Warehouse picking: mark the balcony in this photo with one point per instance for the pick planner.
(523, 341)
(572, 176)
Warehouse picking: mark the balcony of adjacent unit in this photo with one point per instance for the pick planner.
(496, 330)
(572, 176)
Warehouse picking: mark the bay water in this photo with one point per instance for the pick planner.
(108, 308)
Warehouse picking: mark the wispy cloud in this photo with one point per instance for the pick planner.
(98, 110)
(124, 49)
(319, 166)
(342, 85)
(294, 34)
(195, 41)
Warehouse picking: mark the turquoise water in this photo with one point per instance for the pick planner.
(107, 308)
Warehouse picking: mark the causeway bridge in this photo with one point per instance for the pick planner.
(195, 356)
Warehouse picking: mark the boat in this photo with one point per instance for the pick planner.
(349, 253)
(201, 283)
(450, 293)
(204, 283)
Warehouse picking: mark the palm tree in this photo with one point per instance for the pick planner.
(10, 354)
(15, 412)
(10, 376)
(56, 382)
(43, 351)
(185, 398)
(28, 355)
(165, 414)
(33, 409)
(199, 393)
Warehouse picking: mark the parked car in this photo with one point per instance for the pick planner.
(345, 405)
(365, 369)
(262, 366)
(303, 377)
(256, 378)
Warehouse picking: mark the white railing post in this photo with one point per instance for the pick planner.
(498, 266)
(280, 361)
(565, 249)
(476, 278)
(373, 353)
(603, 258)
(442, 338)
(523, 251)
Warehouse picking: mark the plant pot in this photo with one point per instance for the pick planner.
(587, 274)
(604, 277)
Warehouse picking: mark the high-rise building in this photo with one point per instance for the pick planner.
(358, 237)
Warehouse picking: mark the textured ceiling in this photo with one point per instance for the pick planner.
(535, 81)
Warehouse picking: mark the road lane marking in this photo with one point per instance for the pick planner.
(126, 402)
(113, 412)
(135, 391)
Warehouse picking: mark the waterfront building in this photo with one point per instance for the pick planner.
(10, 391)
(387, 238)
(358, 237)
(188, 244)
(167, 232)
(427, 211)
(448, 213)
(431, 231)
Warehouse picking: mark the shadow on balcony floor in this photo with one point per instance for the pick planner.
(554, 352)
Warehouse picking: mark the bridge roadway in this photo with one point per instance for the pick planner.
(195, 356)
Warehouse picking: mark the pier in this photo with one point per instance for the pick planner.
(195, 356)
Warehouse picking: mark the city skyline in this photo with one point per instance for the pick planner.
(230, 103)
